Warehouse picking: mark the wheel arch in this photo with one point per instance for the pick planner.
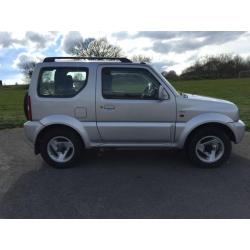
(54, 126)
(218, 125)
(62, 121)
(185, 130)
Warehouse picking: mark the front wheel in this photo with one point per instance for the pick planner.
(61, 147)
(209, 147)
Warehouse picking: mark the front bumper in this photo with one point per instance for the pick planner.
(32, 129)
(238, 129)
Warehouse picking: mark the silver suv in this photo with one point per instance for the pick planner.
(80, 103)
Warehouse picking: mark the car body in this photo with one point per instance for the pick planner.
(117, 103)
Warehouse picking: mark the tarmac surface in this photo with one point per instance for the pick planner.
(121, 184)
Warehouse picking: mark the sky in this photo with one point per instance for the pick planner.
(169, 50)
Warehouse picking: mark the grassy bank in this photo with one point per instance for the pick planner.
(235, 90)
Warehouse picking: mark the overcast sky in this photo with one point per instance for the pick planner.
(169, 50)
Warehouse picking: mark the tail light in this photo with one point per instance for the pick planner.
(29, 109)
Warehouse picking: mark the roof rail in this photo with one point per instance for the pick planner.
(121, 59)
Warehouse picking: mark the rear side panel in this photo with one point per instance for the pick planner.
(81, 107)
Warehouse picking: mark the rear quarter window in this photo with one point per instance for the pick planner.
(62, 82)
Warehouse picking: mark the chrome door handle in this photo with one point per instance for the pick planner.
(108, 107)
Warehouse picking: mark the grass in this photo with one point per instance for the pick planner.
(235, 90)
(11, 106)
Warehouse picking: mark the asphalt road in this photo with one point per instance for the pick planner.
(121, 184)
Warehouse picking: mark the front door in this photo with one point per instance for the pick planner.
(128, 109)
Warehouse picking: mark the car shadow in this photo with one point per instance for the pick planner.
(131, 184)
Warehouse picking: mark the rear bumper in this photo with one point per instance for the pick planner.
(32, 129)
(238, 129)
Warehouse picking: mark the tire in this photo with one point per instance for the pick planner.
(206, 142)
(54, 144)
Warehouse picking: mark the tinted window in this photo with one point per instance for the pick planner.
(129, 83)
(62, 82)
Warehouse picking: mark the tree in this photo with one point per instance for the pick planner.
(91, 47)
(79, 46)
(141, 58)
(96, 48)
(171, 75)
(26, 65)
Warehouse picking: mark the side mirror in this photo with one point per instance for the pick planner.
(163, 95)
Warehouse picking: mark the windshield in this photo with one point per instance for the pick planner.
(170, 86)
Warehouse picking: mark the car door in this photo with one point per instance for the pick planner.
(128, 108)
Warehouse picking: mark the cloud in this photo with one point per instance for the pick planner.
(70, 40)
(40, 41)
(7, 57)
(194, 40)
(121, 35)
(154, 35)
(5, 39)
(157, 34)
(73, 40)
(25, 58)
(37, 38)
(182, 41)
(163, 65)
(176, 46)
(192, 57)
(145, 34)
(219, 37)
(211, 36)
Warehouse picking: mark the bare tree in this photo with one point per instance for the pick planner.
(141, 58)
(91, 47)
(96, 48)
(26, 65)
(79, 47)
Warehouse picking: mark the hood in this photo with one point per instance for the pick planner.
(205, 98)
(192, 105)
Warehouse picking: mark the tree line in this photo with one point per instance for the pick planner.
(218, 67)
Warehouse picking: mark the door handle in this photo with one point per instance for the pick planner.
(108, 107)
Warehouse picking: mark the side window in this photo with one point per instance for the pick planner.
(61, 82)
(129, 83)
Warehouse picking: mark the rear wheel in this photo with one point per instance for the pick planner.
(61, 147)
(209, 147)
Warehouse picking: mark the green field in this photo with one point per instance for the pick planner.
(235, 90)
(11, 106)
